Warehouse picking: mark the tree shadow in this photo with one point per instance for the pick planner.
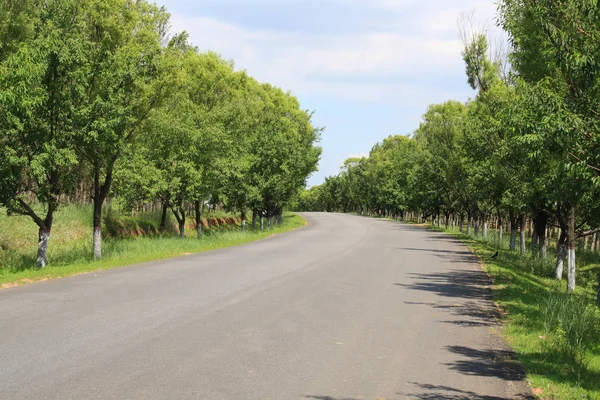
(491, 362)
(456, 283)
(438, 392)
(453, 256)
(474, 314)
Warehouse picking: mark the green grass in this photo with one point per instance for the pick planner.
(521, 285)
(70, 253)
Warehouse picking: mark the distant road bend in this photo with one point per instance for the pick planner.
(346, 308)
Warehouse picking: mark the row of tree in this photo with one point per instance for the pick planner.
(527, 147)
(98, 94)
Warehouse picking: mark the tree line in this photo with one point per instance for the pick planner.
(100, 96)
(525, 148)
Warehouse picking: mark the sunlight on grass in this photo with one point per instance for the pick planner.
(520, 291)
(70, 245)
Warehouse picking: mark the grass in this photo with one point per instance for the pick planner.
(70, 253)
(522, 287)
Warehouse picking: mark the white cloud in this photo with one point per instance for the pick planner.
(338, 65)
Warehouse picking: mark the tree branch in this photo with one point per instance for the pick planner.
(587, 233)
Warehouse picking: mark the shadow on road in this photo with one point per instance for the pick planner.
(437, 392)
(453, 283)
(491, 362)
(469, 305)
(328, 398)
(446, 255)
(474, 314)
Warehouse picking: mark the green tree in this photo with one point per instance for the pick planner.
(41, 61)
(125, 76)
(556, 50)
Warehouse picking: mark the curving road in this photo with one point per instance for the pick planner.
(346, 308)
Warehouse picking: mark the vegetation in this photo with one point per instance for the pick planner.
(555, 334)
(101, 104)
(523, 158)
(128, 239)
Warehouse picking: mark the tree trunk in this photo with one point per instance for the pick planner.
(541, 228)
(243, 216)
(469, 218)
(571, 251)
(543, 247)
(198, 210)
(513, 234)
(254, 219)
(534, 240)
(485, 227)
(561, 250)
(97, 228)
(512, 246)
(179, 214)
(182, 228)
(262, 223)
(100, 193)
(523, 243)
(461, 223)
(476, 228)
(43, 238)
(447, 222)
(163, 218)
(500, 232)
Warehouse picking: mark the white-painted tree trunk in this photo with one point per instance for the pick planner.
(571, 266)
(244, 225)
(97, 242)
(571, 269)
(44, 237)
(485, 230)
(262, 223)
(560, 260)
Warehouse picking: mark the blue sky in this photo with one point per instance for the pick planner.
(367, 68)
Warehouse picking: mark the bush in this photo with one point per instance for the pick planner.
(571, 324)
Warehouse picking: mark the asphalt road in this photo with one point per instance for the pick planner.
(345, 308)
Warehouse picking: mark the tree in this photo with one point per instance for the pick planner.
(125, 76)
(556, 50)
(40, 66)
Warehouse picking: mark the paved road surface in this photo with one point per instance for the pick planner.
(346, 308)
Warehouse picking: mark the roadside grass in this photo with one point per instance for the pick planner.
(70, 252)
(522, 288)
